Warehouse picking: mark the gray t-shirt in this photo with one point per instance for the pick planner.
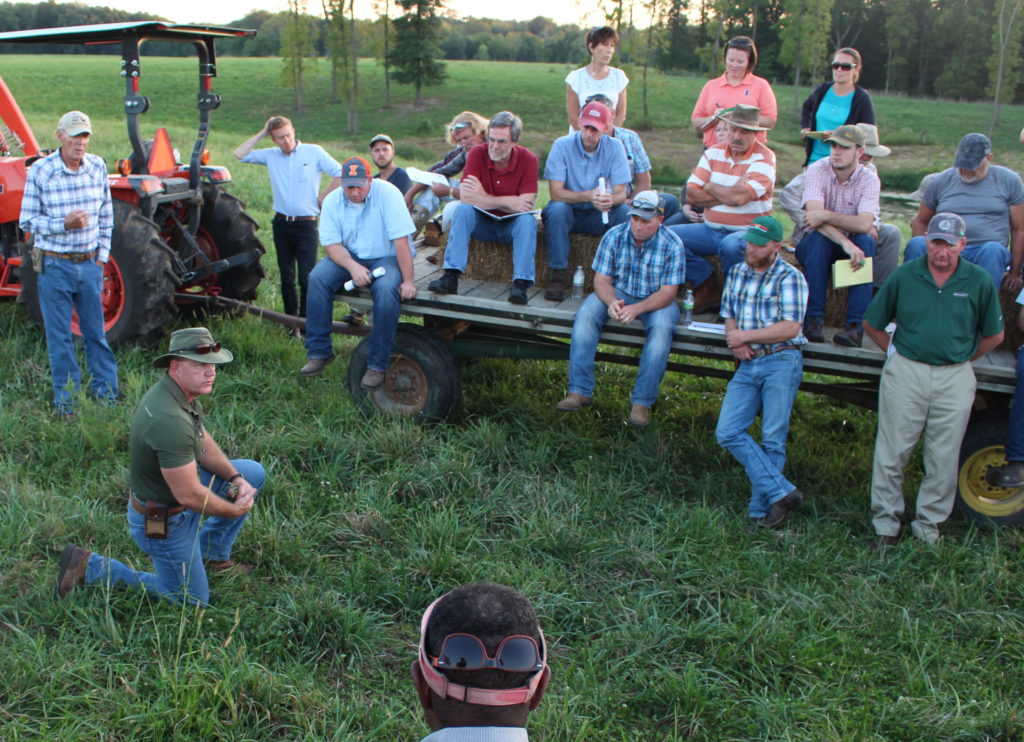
(984, 205)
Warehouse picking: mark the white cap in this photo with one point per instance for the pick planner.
(74, 123)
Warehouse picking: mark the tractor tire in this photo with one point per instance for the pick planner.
(138, 281)
(981, 450)
(423, 379)
(231, 231)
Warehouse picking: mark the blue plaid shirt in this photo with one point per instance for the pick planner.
(639, 162)
(757, 300)
(640, 271)
(53, 190)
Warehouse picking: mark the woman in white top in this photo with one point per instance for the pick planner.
(597, 77)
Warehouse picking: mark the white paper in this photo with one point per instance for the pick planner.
(425, 177)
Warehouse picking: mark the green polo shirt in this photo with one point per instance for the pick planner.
(167, 432)
(938, 326)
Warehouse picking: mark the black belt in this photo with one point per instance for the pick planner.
(74, 257)
(140, 506)
(284, 218)
(769, 350)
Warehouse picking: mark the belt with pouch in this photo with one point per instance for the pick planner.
(74, 257)
(769, 350)
(140, 507)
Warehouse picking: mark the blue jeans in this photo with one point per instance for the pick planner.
(520, 231)
(1015, 435)
(816, 254)
(586, 332)
(767, 385)
(562, 219)
(325, 280)
(64, 285)
(178, 559)
(991, 256)
(296, 244)
(701, 241)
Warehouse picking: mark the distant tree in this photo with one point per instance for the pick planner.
(384, 7)
(297, 48)
(1005, 60)
(482, 54)
(806, 25)
(416, 52)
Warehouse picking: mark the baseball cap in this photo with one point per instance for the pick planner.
(972, 149)
(947, 227)
(763, 230)
(74, 123)
(597, 115)
(355, 171)
(381, 138)
(647, 205)
(848, 135)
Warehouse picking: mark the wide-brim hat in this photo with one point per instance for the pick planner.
(872, 146)
(195, 344)
(744, 117)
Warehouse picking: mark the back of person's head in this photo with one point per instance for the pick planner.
(507, 119)
(601, 35)
(276, 122)
(467, 118)
(461, 683)
(601, 98)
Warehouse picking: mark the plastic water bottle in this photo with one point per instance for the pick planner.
(376, 273)
(603, 190)
(577, 283)
(688, 308)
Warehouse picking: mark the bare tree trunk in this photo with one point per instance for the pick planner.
(353, 108)
(387, 70)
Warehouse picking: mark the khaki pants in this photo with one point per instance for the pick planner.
(913, 397)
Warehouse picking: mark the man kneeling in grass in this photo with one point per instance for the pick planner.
(637, 272)
(482, 665)
(178, 474)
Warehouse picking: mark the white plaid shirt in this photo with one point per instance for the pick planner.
(52, 191)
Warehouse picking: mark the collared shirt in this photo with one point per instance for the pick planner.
(53, 190)
(755, 170)
(719, 93)
(451, 165)
(518, 177)
(640, 271)
(295, 177)
(579, 170)
(166, 433)
(758, 299)
(857, 195)
(367, 229)
(639, 162)
(938, 326)
(478, 734)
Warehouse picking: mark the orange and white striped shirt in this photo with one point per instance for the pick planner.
(755, 170)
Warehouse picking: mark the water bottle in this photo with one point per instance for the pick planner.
(602, 189)
(688, 308)
(375, 273)
(577, 283)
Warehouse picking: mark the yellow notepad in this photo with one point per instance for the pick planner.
(843, 273)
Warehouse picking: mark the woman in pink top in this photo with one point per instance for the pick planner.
(739, 84)
(597, 77)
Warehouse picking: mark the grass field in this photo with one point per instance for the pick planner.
(667, 618)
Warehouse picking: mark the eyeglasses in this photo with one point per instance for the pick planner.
(201, 350)
(466, 652)
(843, 66)
(739, 44)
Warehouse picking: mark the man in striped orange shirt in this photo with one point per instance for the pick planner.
(733, 183)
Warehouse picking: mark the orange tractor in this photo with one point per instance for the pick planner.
(179, 237)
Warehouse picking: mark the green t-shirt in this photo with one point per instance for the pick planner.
(167, 432)
(938, 326)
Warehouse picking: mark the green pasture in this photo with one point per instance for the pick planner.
(668, 618)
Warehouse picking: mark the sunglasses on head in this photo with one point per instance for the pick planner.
(459, 126)
(843, 66)
(516, 653)
(201, 350)
(738, 44)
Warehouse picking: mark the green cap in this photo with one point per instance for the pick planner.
(763, 230)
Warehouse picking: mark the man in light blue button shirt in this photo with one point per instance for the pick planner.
(365, 226)
(295, 173)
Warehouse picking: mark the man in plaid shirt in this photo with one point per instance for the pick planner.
(763, 308)
(67, 209)
(638, 269)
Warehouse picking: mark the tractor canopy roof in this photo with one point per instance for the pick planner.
(108, 33)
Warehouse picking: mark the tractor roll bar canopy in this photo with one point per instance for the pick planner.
(131, 35)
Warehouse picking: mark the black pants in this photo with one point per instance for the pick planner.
(296, 244)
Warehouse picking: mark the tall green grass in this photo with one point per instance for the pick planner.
(668, 618)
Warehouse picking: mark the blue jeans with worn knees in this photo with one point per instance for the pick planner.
(701, 241)
(178, 559)
(816, 254)
(586, 332)
(326, 279)
(1015, 434)
(562, 219)
(64, 285)
(992, 256)
(519, 231)
(767, 385)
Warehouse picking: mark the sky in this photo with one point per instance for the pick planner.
(225, 11)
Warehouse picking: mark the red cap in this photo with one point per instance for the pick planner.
(597, 115)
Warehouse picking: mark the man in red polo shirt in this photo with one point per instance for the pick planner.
(498, 191)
